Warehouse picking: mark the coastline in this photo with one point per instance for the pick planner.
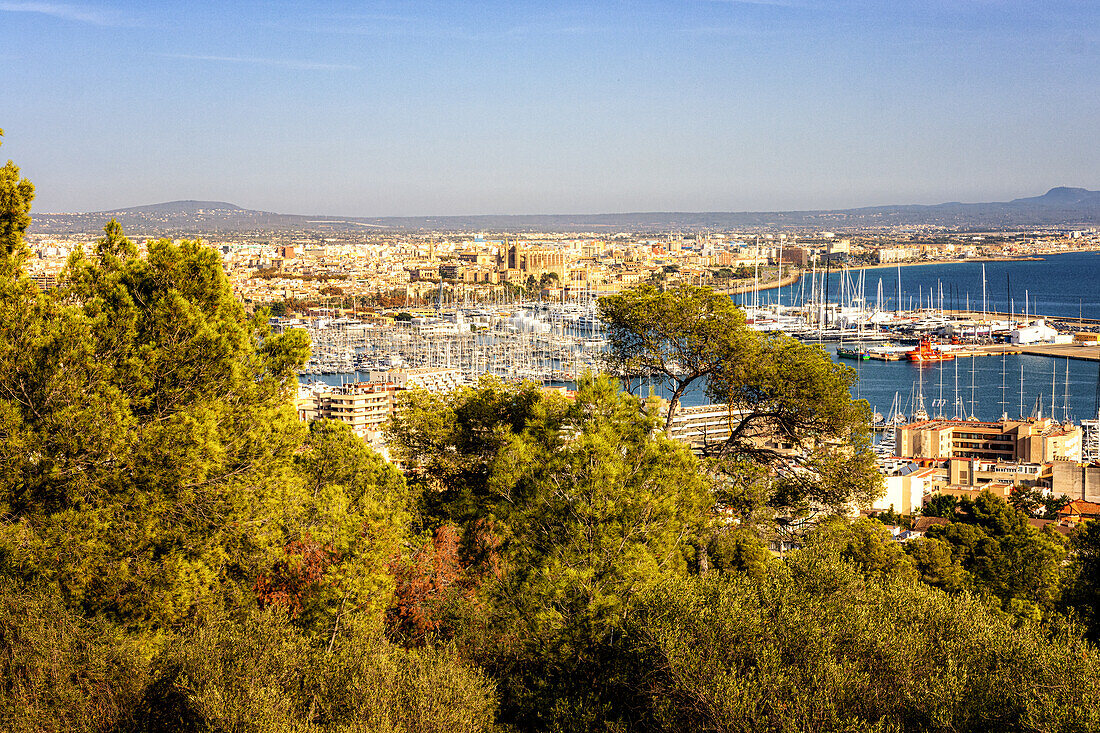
(783, 282)
(1028, 258)
(917, 263)
(736, 290)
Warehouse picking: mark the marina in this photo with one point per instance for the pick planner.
(542, 344)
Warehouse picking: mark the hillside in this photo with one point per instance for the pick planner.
(1061, 206)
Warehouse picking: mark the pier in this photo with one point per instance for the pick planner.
(1058, 351)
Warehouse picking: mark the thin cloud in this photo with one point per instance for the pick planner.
(73, 13)
(295, 64)
(396, 31)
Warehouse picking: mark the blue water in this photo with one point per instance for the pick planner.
(1065, 285)
(880, 380)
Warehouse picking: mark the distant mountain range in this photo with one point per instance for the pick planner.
(1057, 207)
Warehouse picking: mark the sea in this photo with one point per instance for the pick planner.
(984, 386)
(1064, 285)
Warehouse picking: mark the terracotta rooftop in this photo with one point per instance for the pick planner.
(924, 523)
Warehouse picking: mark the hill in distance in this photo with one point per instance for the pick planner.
(1061, 206)
(179, 207)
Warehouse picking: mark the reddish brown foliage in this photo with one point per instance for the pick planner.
(439, 583)
(422, 583)
(293, 579)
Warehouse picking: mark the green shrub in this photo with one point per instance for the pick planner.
(818, 647)
(262, 674)
(59, 672)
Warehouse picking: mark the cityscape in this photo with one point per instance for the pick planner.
(702, 365)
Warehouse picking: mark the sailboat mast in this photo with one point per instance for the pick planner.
(939, 401)
(973, 387)
(1021, 390)
(1065, 397)
(958, 399)
(984, 309)
(1053, 394)
(898, 307)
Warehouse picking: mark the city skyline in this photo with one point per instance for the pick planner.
(404, 109)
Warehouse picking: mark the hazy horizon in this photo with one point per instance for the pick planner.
(442, 108)
(520, 213)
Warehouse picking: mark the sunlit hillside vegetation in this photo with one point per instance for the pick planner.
(179, 553)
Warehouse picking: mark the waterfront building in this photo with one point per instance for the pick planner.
(1037, 333)
(1020, 441)
(965, 457)
(439, 381)
(367, 406)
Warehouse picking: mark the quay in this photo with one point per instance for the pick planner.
(1067, 321)
(789, 279)
(1058, 351)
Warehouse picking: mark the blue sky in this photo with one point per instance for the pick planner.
(410, 108)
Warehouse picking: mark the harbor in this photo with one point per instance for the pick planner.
(529, 341)
(926, 357)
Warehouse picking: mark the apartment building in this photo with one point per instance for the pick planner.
(709, 426)
(905, 488)
(1018, 441)
(1078, 481)
(366, 407)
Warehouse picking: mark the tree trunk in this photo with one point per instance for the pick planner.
(704, 557)
(673, 406)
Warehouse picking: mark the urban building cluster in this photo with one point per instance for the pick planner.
(413, 267)
(367, 406)
(426, 350)
(962, 458)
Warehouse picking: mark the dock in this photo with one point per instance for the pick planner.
(1057, 351)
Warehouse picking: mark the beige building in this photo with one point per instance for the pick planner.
(905, 490)
(1018, 441)
(367, 406)
(364, 406)
(520, 261)
(1076, 480)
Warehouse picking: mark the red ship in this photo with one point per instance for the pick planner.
(925, 353)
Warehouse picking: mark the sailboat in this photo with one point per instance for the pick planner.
(919, 413)
(887, 444)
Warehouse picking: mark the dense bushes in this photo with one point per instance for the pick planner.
(254, 673)
(817, 646)
(60, 672)
(262, 674)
